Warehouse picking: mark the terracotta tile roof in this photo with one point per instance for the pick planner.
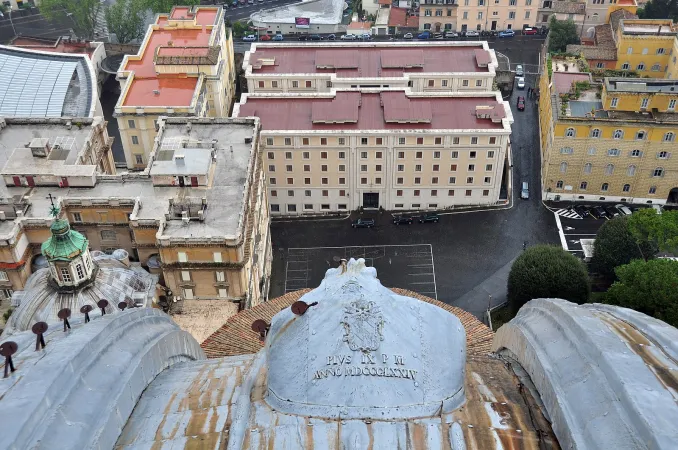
(236, 337)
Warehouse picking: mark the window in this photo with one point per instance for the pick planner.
(271, 181)
(138, 158)
(631, 170)
(471, 167)
(436, 167)
(308, 84)
(274, 84)
(65, 275)
(658, 172)
(669, 137)
(271, 155)
(604, 187)
(490, 154)
(434, 193)
(618, 134)
(569, 132)
(288, 141)
(288, 155)
(609, 169)
(436, 155)
(583, 186)
(640, 67)
(3, 276)
(563, 167)
(653, 190)
(588, 167)
(472, 155)
(626, 188)
(185, 275)
(488, 167)
(417, 180)
(401, 141)
(559, 185)
(342, 141)
(566, 150)
(434, 180)
(614, 102)
(291, 208)
(672, 104)
(135, 140)
(108, 235)
(275, 208)
(452, 180)
(469, 180)
(288, 168)
(595, 133)
(342, 155)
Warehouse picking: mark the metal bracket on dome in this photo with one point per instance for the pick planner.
(260, 326)
(300, 307)
(39, 329)
(64, 314)
(7, 349)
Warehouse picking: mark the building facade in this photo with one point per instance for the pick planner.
(615, 148)
(395, 150)
(308, 68)
(185, 67)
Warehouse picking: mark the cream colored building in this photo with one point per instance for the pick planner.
(420, 66)
(496, 14)
(185, 67)
(393, 149)
(618, 148)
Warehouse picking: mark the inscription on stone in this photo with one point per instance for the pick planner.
(369, 364)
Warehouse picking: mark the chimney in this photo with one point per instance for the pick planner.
(180, 160)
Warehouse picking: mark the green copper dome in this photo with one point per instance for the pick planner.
(65, 244)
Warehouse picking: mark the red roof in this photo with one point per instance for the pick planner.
(398, 18)
(175, 89)
(367, 61)
(383, 111)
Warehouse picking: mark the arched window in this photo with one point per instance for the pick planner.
(563, 167)
(604, 187)
(588, 167)
(658, 172)
(618, 134)
(559, 184)
(609, 169)
(636, 153)
(669, 137)
(595, 133)
(626, 188)
(569, 132)
(640, 135)
(631, 170)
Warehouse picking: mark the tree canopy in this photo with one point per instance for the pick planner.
(649, 287)
(661, 230)
(659, 9)
(126, 18)
(546, 271)
(83, 13)
(561, 34)
(615, 245)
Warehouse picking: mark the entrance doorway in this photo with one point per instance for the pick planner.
(494, 25)
(370, 200)
(673, 196)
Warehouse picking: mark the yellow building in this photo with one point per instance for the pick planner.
(645, 46)
(608, 142)
(185, 67)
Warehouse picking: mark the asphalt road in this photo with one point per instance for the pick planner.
(467, 248)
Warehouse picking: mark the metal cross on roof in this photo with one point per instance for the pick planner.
(54, 210)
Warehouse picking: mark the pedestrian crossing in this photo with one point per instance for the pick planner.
(570, 214)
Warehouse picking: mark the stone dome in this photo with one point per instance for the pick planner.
(364, 352)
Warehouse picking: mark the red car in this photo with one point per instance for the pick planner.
(529, 31)
(521, 103)
(265, 37)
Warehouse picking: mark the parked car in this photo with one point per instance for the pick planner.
(315, 37)
(472, 33)
(507, 33)
(530, 31)
(407, 36)
(424, 35)
(249, 38)
(521, 82)
(363, 223)
(611, 211)
(265, 37)
(597, 212)
(525, 191)
(451, 34)
(521, 103)
(348, 37)
(623, 209)
(331, 37)
(278, 37)
(582, 210)
(519, 71)
(402, 220)
(427, 218)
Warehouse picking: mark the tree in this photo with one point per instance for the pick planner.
(127, 19)
(165, 6)
(83, 13)
(661, 230)
(546, 271)
(562, 33)
(659, 9)
(615, 246)
(650, 287)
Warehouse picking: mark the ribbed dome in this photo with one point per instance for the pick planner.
(64, 244)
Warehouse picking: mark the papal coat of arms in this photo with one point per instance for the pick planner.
(363, 325)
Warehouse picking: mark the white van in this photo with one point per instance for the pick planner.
(525, 192)
(624, 209)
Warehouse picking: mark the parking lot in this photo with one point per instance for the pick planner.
(404, 266)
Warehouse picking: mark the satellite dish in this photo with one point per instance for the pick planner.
(64, 314)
